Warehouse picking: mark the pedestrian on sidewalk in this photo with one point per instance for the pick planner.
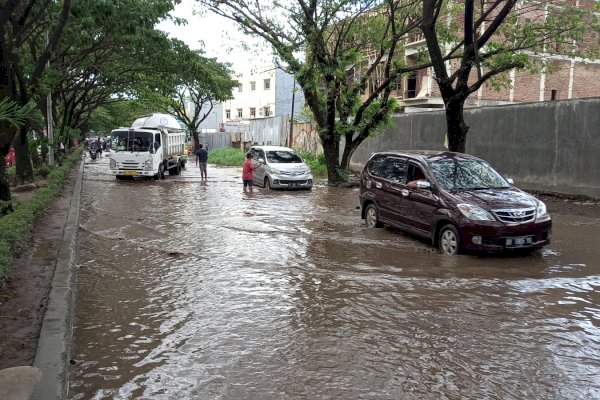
(202, 160)
(248, 173)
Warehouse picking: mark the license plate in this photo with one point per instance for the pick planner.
(130, 173)
(293, 185)
(519, 241)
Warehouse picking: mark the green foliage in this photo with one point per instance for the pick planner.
(43, 171)
(17, 116)
(227, 156)
(16, 227)
(10, 173)
(315, 162)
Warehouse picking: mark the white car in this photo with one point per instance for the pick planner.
(280, 168)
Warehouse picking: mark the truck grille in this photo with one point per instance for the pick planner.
(131, 166)
(515, 215)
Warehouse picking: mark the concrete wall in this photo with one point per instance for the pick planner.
(553, 146)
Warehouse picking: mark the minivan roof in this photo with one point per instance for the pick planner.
(425, 155)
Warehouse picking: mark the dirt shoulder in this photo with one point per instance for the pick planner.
(24, 297)
(565, 205)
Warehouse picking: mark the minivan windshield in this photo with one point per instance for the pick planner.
(462, 174)
(282, 156)
(131, 141)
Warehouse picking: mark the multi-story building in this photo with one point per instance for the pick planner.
(563, 77)
(264, 91)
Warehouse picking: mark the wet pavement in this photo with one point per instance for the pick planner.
(191, 290)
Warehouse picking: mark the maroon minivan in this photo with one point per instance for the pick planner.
(457, 201)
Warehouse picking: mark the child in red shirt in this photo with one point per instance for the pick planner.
(248, 172)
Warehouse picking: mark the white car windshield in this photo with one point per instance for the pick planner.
(282, 156)
(461, 174)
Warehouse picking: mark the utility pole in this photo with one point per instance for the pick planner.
(292, 115)
(49, 116)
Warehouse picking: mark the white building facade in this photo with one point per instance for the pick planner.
(264, 91)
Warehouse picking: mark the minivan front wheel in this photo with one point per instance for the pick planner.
(449, 240)
(267, 184)
(372, 217)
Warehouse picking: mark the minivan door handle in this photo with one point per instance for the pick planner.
(404, 192)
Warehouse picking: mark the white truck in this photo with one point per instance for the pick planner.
(154, 144)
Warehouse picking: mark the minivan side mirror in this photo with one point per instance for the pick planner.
(423, 184)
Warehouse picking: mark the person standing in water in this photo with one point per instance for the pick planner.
(248, 173)
(202, 160)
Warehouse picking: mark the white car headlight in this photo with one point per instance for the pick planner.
(475, 213)
(275, 171)
(541, 211)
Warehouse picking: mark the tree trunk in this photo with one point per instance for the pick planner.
(7, 132)
(457, 128)
(4, 186)
(331, 149)
(24, 172)
(349, 148)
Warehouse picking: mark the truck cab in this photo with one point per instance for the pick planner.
(153, 145)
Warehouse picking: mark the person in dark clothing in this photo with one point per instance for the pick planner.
(202, 160)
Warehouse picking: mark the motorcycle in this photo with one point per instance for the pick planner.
(95, 150)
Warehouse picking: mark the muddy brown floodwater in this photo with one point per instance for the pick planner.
(189, 290)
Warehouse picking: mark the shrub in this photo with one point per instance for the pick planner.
(227, 156)
(43, 171)
(16, 227)
(10, 173)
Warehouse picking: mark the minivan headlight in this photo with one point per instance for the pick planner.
(475, 213)
(541, 211)
(275, 171)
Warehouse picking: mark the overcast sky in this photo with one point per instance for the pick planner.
(220, 36)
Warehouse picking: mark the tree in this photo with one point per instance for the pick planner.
(343, 54)
(495, 37)
(200, 81)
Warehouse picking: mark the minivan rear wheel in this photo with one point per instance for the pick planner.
(449, 240)
(372, 217)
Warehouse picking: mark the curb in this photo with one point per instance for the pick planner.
(54, 345)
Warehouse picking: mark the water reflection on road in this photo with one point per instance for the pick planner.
(196, 291)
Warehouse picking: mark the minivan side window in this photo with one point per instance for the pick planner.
(388, 167)
(394, 169)
(376, 165)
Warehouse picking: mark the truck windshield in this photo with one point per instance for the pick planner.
(131, 141)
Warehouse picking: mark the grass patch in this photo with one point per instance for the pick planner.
(227, 156)
(316, 163)
(231, 157)
(16, 227)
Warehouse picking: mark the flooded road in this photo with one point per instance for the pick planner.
(189, 290)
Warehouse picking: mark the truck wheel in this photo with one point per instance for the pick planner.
(162, 170)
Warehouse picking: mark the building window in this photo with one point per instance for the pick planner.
(252, 86)
(228, 114)
(267, 84)
(267, 111)
(240, 87)
(252, 112)
(239, 113)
